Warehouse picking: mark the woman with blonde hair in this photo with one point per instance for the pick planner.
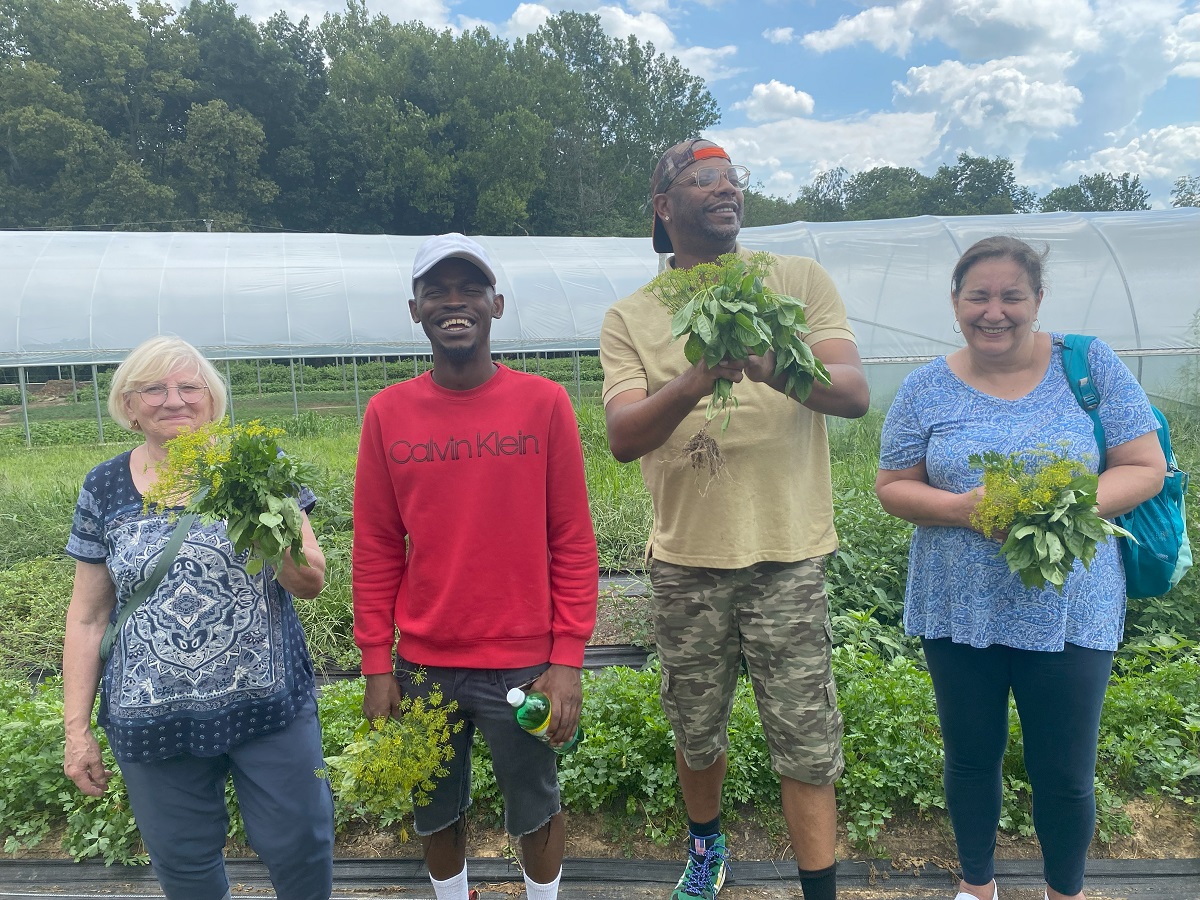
(209, 675)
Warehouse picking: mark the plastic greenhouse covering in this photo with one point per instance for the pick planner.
(70, 298)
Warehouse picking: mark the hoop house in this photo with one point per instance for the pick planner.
(82, 299)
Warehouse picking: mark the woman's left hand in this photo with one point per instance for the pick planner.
(304, 581)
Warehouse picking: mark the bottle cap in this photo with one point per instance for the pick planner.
(516, 697)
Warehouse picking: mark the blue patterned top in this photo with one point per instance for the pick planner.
(213, 657)
(958, 584)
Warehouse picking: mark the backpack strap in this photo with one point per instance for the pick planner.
(165, 558)
(1075, 349)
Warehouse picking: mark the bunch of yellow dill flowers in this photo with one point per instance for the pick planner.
(237, 474)
(392, 762)
(1045, 505)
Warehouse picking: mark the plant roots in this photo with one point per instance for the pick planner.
(704, 454)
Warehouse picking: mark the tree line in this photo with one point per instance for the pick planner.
(200, 118)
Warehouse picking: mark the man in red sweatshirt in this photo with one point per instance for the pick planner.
(473, 539)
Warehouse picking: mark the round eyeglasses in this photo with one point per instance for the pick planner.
(709, 176)
(156, 394)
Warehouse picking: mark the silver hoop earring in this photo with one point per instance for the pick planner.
(956, 327)
(1037, 325)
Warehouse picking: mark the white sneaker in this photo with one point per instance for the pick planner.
(963, 895)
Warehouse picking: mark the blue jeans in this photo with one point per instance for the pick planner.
(285, 800)
(1058, 697)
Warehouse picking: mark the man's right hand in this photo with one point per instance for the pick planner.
(382, 698)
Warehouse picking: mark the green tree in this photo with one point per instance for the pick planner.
(765, 209)
(1186, 191)
(825, 199)
(977, 185)
(886, 192)
(217, 167)
(617, 104)
(1102, 192)
(127, 70)
(276, 73)
(423, 131)
(51, 157)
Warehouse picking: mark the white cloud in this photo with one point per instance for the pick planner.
(1159, 153)
(1183, 47)
(996, 107)
(977, 29)
(775, 100)
(785, 156)
(779, 35)
(710, 63)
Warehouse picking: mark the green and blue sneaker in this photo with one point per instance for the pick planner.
(706, 869)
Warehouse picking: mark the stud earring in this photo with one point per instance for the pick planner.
(666, 218)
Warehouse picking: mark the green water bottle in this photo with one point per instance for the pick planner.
(533, 714)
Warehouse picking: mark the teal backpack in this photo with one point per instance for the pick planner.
(1162, 552)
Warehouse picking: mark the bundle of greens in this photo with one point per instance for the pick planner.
(1046, 503)
(727, 312)
(391, 764)
(237, 474)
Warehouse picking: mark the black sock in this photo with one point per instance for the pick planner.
(819, 884)
(705, 829)
(701, 834)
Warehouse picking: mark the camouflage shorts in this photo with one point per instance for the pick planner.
(776, 617)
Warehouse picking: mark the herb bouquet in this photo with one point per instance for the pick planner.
(726, 311)
(237, 474)
(391, 763)
(1046, 503)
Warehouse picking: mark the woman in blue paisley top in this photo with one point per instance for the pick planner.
(984, 634)
(210, 676)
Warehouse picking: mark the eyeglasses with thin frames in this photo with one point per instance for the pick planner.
(156, 394)
(709, 176)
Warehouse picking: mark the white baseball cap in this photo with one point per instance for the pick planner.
(451, 246)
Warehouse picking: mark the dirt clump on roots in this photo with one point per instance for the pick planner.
(703, 454)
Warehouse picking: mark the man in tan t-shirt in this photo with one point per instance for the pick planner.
(737, 564)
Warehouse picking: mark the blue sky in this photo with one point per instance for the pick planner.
(1063, 88)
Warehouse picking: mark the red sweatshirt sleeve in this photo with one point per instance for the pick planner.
(378, 551)
(574, 566)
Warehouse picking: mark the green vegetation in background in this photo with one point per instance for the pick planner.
(1150, 744)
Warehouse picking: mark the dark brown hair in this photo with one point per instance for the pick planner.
(1003, 246)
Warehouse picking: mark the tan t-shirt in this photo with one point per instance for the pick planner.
(774, 499)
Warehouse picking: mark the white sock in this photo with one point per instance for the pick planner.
(452, 888)
(535, 891)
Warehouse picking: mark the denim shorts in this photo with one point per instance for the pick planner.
(526, 769)
(773, 615)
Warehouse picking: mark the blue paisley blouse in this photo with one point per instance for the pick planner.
(958, 584)
(213, 657)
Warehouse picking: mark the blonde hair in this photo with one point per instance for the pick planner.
(152, 361)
